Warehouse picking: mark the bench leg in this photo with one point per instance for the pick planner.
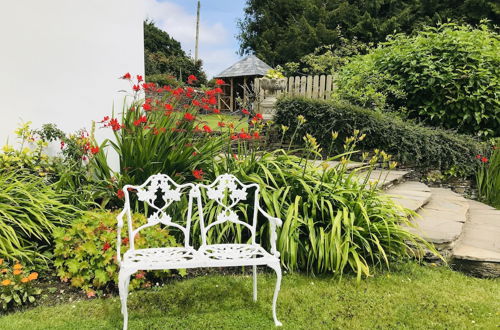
(123, 282)
(277, 269)
(254, 283)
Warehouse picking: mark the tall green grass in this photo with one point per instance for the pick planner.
(30, 209)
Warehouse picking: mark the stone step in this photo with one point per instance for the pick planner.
(384, 178)
(478, 250)
(410, 194)
(441, 220)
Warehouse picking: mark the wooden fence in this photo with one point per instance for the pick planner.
(314, 87)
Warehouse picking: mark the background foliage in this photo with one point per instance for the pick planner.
(448, 76)
(411, 144)
(281, 31)
(164, 55)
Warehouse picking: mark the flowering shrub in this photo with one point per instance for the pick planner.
(488, 176)
(85, 252)
(17, 285)
(163, 132)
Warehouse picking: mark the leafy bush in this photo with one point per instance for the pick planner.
(333, 221)
(17, 285)
(164, 80)
(488, 176)
(446, 76)
(85, 252)
(411, 144)
(30, 210)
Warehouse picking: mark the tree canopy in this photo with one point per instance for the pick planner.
(164, 55)
(280, 31)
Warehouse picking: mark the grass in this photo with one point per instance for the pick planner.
(212, 121)
(413, 297)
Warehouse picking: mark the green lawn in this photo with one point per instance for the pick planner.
(412, 297)
(212, 121)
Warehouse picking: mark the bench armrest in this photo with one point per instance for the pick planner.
(273, 222)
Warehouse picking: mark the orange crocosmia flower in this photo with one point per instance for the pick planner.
(17, 272)
(33, 276)
(25, 280)
(6, 282)
(1, 261)
(18, 266)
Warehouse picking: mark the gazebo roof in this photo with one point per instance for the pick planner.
(249, 66)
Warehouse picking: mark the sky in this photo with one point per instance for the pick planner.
(218, 44)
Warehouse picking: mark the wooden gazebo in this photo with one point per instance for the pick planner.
(239, 79)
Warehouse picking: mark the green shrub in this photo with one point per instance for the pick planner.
(17, 285)
(164, 80)
(30, 210)
(488, 176)
(85, 252)
(333, 221)
(411, 144)
(446, 76)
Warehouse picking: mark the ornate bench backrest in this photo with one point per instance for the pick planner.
(159, 192)
(227, 191)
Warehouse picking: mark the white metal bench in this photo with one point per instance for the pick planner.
(226, 188)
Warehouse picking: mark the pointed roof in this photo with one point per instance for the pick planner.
(249, 66)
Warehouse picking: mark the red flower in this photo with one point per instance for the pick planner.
(94, 150)
(142, 119)
(191, 79)
(140, 275)
(125, 241)
(256, 135)
(139, 78)
(146, 106)
(234, 137)
(194, 153)
(219, 82)
(106, 246)
(484, 160)
(258, 116)
(221, 124)
(62, 145)
(104, 119)
(115, 125)
(245, 112)
(216, 111)
(212, 100)
(120, 194)
(244, 136)
(218, 90)
(169, 107)
(136, 88)
(198, 174)
(478, 156)
(188, 116)
(126, 76)
(196, 103)
(207, 129)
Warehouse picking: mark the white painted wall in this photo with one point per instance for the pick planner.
(60, 60)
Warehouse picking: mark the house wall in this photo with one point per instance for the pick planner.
(60, 60)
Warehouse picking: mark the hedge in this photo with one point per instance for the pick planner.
(411, 144)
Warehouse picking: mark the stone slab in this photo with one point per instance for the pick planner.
(442, 219)
(384, 178)
(332, 163)
(410, 194)
(481, 235)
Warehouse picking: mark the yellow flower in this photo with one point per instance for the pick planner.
(25, 280)
(17, 272)
(3, 271)
(33, 276)
(1, 261)
(18, 266)
(6, 282)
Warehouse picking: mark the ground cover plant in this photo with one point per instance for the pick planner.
(411, 144)
(85, 252)
(446, 76)
(17, 285)
(409, 296)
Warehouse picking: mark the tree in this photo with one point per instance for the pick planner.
(163, 55)
(281, 31)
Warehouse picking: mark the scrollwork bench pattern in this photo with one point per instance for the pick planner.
(227, 192)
